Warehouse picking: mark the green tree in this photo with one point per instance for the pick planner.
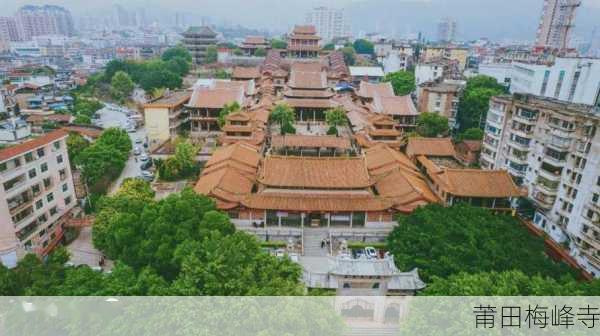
(363, 46)
(288, 128)
(471, 134)
(432, 125)
(177, 52)
(474, 103)
(442, 241)
(349, 55)
(507, 283)
(334, 118)
(403, 82)
(212, 54)
(260, 52)
(75, 145)
(121, 86)
(238, 52)
(82, 119)
(179, 66)
(278, 44)
(222, 74)
(103, 161)
(226, 110)
(283, 115)
(329, 46)
(161, 78)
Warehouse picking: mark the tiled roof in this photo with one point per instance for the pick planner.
(172, 100)
(328, 141)
(307, 76)
(398, 105)
(28, 146)
(369, 90)
(60, 118)
(309, 172)
(315, 202)
(479, 183)
(472, 145)
(430, 147)
(89, 131)
(245, 72)
(299, 93)
(310, 103)
(255, 40)
(223, 92)
(307, 29)
(238, 116)
(241, 153)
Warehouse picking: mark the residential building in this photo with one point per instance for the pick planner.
(446, 30)
(393, 57)
(430, 71)
(166, 116)
(36, 196)
(552, 147)
(331, 23)
(556, 23)
(571, 79)
(441, 98)
(197, 40)
(303, 42)
(43, 20)
(13, 130)
(455, 54)
(502, 72)
(371, 74)
(8, 29)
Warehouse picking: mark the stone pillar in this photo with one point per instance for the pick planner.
(328, 220)
(351, 216)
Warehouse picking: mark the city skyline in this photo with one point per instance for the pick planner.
(394, 18)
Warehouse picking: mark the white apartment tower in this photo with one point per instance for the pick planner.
(331, 23)
(552, 148)
(36, 196)
(44, 20)
(447, 28)
(556, 23)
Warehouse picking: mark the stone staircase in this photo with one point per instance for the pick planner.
(372, 331)
(312, 242)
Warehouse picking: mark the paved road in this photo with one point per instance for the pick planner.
(83, 252)
(118, 118)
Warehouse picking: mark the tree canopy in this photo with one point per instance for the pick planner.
(329, 46)
(177, 52)
(403, 82)
(182, 164)
(363, 46)
(349, 55)
(151, 74)
(226, 110)
(121, 86)
(260, 52)
(432, 125)
(471, 134)
(103, 161)
(212, 54)
(442, 241)
(474, 103)
(75, 145)
(284, 115)
(278, 44)
(335, 117)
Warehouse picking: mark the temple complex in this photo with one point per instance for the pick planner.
(303, 42)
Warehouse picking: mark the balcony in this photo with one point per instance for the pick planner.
(543, 201)
(524, 119)
(20, 202)
(547, 187)
(23, 217)
(520, 145)
(591, 238)
(592, 258)
(15, 183)
(25, 232)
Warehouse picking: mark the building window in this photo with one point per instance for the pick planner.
(595, 198)
(56, 144)
(3, 167)
(41, 152)
(376, 285)
(53, 211)
(574, 85)
(35, 189)
(39, 204)
(65, 187)
(44, 167)
(50, 197)
(561, 78)
(32, 173)
(42, 218)
(59, 159)
(347, 285)
(29, 157)
(68, 200)
(545, 82)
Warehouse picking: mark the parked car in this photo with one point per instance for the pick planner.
(137, 151)
(146, 165)
(371, 252)
(144, 157)
(138, 141)
(146, 175)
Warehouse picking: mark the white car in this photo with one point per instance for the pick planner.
(138, 141)
(146, 175)
(144, 157)
(137, 151)
(371, 252)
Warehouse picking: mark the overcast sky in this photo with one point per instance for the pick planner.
(497, 19)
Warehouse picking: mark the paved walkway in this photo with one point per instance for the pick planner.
(312, 242)
(83, 252)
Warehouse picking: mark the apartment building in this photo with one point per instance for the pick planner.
(441, 98)
(556, 23)
(571, 79)
(44, 20)
(331, 23)
(165, 116)
(36, 196)
(551, 147)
